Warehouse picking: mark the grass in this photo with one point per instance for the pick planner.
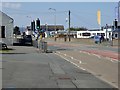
(6, 50)
(2, 51)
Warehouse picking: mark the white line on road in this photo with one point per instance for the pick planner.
(97, 55)
(110, 59)
(65, 54)
(72, 58)
(71, 62)
(79, 61)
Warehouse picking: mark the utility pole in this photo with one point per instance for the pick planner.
(69, 25)
(106, 31)
(118, 11)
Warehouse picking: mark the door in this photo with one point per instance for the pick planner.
(2, 31)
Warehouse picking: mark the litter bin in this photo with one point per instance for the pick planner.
(44, 46)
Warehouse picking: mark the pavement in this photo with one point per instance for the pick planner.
(25, 67)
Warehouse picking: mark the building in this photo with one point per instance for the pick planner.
(6, 28)
(52, 27)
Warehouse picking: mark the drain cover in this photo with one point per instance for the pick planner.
(64, 78)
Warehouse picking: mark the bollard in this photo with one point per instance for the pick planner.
(65, 38)
(45, 46)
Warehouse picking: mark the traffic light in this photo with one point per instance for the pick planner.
(33, 25)
(38, 24)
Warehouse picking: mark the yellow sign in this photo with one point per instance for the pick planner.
(99, 17)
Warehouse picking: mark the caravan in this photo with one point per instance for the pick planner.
(92, 33)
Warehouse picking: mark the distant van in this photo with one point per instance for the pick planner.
(52, 33)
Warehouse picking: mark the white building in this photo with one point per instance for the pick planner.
(6, 28)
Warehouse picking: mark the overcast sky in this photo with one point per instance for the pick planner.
(82, 14)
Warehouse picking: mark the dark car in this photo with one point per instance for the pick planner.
(28, 39)
(3, 46)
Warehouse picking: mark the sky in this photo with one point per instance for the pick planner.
(83, 14)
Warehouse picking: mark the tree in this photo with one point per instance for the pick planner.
(16, 30)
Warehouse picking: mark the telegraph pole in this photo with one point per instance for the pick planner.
(69, 25)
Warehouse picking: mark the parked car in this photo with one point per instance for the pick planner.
(28, 39)
(3, 46)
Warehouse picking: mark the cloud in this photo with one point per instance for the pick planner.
(11, 5)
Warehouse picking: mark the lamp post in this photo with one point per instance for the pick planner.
(55, 16)
(116, 15)
(29, 17)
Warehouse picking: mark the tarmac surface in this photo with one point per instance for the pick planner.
(26, 67)
(101, 61)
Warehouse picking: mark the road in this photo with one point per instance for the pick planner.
(25, 67)
(101, 61)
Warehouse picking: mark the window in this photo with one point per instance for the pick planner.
(94, 34)
(98, 33)
(103, 34)
(86, 34)
(80, 34)
(2, 31)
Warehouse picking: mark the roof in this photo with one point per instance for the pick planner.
(52, 27)
(6, 15)
(94, 30)
(118, 30)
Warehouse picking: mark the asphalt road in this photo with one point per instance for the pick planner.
(105, 68)
(25, 67)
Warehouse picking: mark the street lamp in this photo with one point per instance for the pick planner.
(116, 15)
(55, 16)
(29, 17)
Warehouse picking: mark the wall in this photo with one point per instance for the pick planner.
(8, 23)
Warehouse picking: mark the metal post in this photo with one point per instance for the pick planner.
(55, 19)
(118, 11)
(69, 25)
(106, 31)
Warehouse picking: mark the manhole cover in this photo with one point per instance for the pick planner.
(64, 78)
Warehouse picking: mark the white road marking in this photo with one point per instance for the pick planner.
(71, 62)
(108, 58)
(65, 54)
(97, 55)
(72, 58)
(79, 61)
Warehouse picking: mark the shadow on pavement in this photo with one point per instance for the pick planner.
(20, 44)
(13, 53)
